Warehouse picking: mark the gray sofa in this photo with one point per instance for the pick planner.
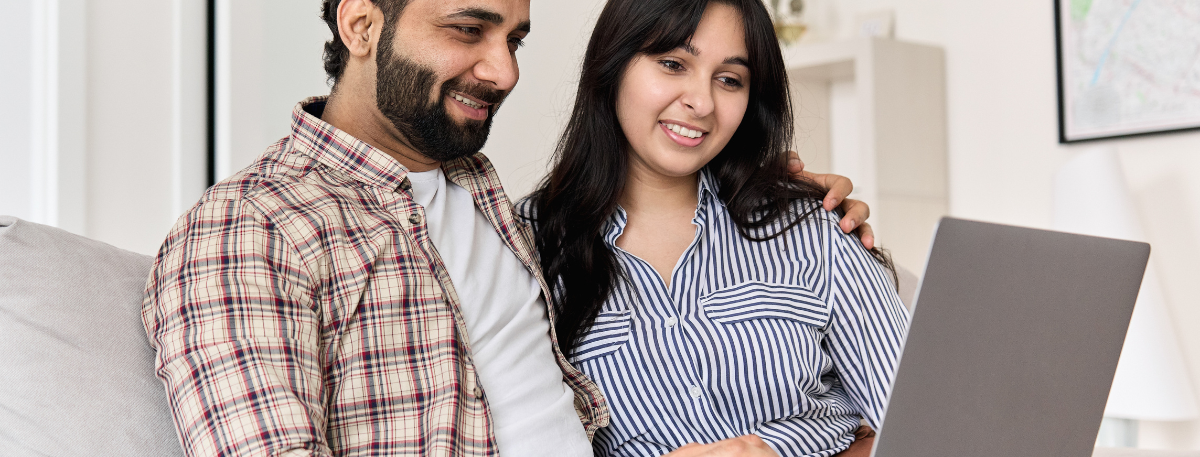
(77, 372)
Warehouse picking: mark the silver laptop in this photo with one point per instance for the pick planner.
(1013, 343)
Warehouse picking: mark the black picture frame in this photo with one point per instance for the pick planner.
(1063, 134)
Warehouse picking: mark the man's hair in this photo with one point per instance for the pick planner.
(336, 52)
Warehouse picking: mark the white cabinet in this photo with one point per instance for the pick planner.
(874, 109)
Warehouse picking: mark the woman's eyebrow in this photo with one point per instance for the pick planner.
(737, 61)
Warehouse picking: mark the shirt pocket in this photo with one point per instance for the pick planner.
(754, 300)
(608, 334)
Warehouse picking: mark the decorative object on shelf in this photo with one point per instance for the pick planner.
(1152, 383)
(880, 24)
(1126, 68)
(788, 16)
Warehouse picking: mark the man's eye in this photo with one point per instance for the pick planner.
(516, 42)
(671, 65)
(473, 31)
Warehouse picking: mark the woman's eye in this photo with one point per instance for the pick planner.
(516, 42)
(730, 81)
(671, 65)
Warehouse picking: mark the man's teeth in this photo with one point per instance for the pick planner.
(467, 101)
(683, 131)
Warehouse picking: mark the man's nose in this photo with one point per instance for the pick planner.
(497, 67)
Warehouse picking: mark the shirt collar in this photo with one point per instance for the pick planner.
(708, 187)
(339, 150)
(706, 194)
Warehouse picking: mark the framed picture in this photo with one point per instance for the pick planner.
(1127, 67)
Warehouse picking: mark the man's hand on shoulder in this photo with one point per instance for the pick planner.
(742, 446)
(856, 212)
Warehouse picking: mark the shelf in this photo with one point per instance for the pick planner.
(874, 109)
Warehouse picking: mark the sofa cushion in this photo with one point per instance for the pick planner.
(77, 375)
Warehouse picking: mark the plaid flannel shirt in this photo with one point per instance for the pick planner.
(301, 309)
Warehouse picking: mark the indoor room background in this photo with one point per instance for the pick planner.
(107, 121)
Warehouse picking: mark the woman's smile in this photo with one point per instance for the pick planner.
(683, 134)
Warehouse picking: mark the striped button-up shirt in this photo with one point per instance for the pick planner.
(301, 309)
(793, 339)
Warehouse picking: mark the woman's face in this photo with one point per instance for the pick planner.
(679, 109)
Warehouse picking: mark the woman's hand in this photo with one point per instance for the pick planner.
(742, 446)
(839, 187)
(864, 439)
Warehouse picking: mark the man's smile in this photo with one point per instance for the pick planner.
(471, 107)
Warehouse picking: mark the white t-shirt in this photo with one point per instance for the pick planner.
(532, 409)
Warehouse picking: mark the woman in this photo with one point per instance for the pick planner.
(706, 294)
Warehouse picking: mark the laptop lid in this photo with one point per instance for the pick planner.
(1013, 343)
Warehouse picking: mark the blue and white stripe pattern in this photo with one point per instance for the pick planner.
(793, 339)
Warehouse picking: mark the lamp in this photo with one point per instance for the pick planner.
(1091, 197)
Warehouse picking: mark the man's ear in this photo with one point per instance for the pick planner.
(359, 23)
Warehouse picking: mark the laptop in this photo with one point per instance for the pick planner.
(1013, 343)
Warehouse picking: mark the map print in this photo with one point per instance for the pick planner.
(1129, 66)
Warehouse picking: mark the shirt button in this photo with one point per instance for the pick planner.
(695, 392)
(671, 321)
(406, 184)
(414, 218)
(477, 392)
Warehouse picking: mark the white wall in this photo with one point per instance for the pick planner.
(269, 59)
(42, 156)
(129, 112)
(528, 124)
(145, 118)
(15, 125)
(1004, 153)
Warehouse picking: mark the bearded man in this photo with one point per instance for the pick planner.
(364, 288)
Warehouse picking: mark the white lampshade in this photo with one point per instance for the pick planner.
(1091, 197)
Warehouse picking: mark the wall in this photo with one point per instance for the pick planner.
(1004, 153)
(15, 125)
(269, 59)
(129, 112)
(528, 124)
(145, 118)
(103, 131)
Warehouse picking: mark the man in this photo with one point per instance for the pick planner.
(364, 288)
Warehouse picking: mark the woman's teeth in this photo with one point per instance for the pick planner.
(682, 131)
(467, 101)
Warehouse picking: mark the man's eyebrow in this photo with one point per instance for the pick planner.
(486, 15)
(478, 13)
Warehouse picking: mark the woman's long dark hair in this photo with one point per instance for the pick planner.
(590, 162)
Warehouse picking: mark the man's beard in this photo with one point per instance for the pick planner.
(402, 90)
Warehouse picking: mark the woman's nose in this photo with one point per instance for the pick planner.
(698, 98)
